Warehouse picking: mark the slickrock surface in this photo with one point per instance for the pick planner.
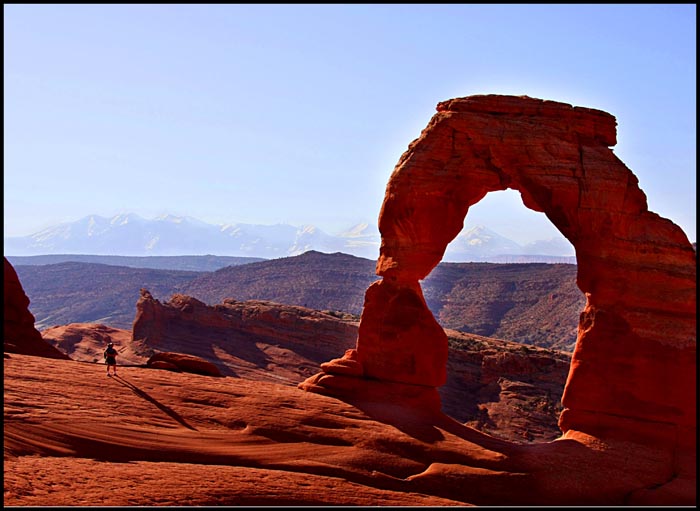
(506, 389)
(633, 372)
(163, 438)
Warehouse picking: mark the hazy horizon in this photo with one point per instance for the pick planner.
(522, 226)
(344, 229)
(297, 114)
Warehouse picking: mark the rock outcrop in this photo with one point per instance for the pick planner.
(19, 333)
(503, 388)
(87, 342)
(182, 362)
(252, 339)
(633, 372)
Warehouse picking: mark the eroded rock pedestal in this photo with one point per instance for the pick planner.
(633, 372)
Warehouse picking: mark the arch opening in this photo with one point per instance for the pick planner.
(513, 306)
(501, 229)
(494, 286)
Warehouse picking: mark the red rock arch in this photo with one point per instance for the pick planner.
(633, 369)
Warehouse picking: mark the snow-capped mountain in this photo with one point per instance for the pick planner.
(125, 234)
(551, 247)
(482, 244)
(280, 240)
(478, 244)
(132, 235)
(362, 240)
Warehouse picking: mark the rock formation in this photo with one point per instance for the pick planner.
(87, 342)
(19, 333)
(182, 362)
(507, 389)
(254, 339)
(633, 372)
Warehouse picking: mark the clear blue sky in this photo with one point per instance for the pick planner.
(298, 113)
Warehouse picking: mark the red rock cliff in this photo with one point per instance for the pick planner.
(19, 333)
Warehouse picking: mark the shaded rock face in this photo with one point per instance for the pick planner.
(633, 369)
(19, 333)
(182, 362)
(252, 339)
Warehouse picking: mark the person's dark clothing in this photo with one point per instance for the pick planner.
(111, 356)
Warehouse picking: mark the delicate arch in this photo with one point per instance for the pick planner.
(634, 361)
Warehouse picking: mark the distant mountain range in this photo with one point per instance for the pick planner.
(183, 263)
(168, 235)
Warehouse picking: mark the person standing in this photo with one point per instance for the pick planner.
(111, 358)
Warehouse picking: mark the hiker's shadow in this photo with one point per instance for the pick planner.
(168, 411)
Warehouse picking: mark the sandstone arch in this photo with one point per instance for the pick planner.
(633, 371)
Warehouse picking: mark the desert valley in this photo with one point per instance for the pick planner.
(333, 380)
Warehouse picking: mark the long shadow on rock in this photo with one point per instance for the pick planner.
(430, 426)
(413, 422)
(168, 411)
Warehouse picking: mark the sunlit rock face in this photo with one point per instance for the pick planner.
(633, 370)
(19, 333)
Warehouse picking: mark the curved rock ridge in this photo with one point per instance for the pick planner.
(633, 370)
(19, 332)
(182, 362)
